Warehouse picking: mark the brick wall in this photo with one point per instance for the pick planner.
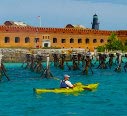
(43, 34)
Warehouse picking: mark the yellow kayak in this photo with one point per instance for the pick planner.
(79, 87)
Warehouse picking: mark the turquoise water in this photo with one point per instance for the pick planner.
(17, 97)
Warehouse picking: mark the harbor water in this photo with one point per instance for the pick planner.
(18, 99)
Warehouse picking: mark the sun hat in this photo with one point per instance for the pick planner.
(66, 75)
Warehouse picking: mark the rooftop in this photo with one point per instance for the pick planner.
(15, 23)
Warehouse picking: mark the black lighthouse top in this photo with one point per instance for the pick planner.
(95, 24)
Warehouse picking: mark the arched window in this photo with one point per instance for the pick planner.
(6, 39)
(27, 40)
(63, 40)
(87, 41)
(101, 41)
(36, 40)
(17, 39)
(71, 40)
(94, 40)
(54, 40)
(80, 40)
(108, 40)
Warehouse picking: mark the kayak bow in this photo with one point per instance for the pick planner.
(79, 87)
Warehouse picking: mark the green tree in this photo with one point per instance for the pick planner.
(125, 43)
(101, 48)
(114, 43)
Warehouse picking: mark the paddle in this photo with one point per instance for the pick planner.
(56, 78)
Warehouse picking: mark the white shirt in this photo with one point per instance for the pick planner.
(69, 83)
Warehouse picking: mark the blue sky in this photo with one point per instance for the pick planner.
(59, 13)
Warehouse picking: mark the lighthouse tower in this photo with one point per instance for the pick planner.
(95, 24)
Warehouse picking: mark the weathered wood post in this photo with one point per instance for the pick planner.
(2, 69)
(47, 73)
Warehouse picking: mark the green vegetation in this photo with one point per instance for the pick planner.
(113, 44)
(101, 48)
(125, 43)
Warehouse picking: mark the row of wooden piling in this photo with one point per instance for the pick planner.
(79, 61)
(73, 60)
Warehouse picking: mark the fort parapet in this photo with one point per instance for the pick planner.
(40, 37)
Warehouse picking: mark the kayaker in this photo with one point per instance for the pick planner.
(65, 83)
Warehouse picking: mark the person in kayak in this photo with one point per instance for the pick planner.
(65, 83)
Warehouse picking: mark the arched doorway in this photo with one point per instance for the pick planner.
(46, 43)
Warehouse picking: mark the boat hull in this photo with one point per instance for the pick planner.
(79, 87)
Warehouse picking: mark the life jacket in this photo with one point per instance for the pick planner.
(63, 84)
